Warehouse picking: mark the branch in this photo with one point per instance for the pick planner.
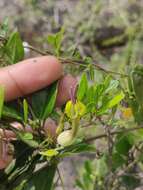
(82, 63)
(74, 61)
(104, 135)
(35, 49)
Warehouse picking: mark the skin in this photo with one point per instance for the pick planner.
(25, 78)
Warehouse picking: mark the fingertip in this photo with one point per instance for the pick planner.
(29, 76)
(55, 61)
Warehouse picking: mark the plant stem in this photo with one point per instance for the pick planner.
(74, 61)
(82, 63)
(104, 135)
(35, 49)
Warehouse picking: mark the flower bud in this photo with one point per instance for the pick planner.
(50, 128)
(65, 138)
(75, 110)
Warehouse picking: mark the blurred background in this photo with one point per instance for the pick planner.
(110, 31)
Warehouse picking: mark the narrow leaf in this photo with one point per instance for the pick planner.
(109, 103)
(10, 113)
(51, 99)
(25, 110)
(42, 179)
(83, 86)
(39, 100)
(14, 48)
(116, 100)
(49, 153)
(112, 86)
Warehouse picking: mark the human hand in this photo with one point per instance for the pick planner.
(27, 77)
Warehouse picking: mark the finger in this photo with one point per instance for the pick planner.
(29, 75)
(65, 84)
(5, 155)
(10, 135)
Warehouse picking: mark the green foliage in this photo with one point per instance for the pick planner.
(99, 98)
(9, 112)
(25, 110)
(50, 102)
(41, 179)
(43, 102)
(4, 28)
(14, 48)
(137, 78)
(55, 40)
(98, 103)
(87, 177)
(83, 86)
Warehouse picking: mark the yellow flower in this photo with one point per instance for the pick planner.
(127, 113)
(75, 110)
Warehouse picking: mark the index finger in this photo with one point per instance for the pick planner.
(29, 76)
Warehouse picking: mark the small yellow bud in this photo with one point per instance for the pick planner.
(75, 110)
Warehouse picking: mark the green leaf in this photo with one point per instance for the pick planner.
(79, 184)
(112, 86)
(91, 94)
(91, 99)
(1, 99)
(43, 101)
(28, 139)
(26, 136)
(10, 113)
(38, 102)
(50, 153)
(21, 186)
(42, 179)
(51, 39)
(101, 167)
(55, 40)
(51, 99)
(107, 81)
(99, 90)
(81, 147)
(88, 166)
(122, 144)
(91, 72)
(25, 110)
(14, 48)
(58, 41)
(31, 143)
(137, 83)
(4, 27)
(22, 153)
(83, 86)
(131, 181)
(108, 103)
(116, 99)
(137, 110)
(118, 160)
